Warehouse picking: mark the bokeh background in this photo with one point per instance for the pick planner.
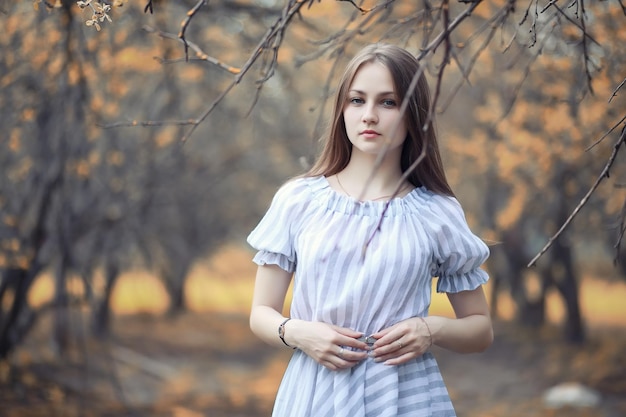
(134, 161)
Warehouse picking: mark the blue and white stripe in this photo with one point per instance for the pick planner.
(319, 234)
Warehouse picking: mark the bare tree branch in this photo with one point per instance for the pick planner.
(620, 235)
(200, 54)
(580, 26)
(615, 126)
(604, 174)
(271, 37)
(518, 87)
(586, 58)
(617, 89)
(280, 24)
(185, 24)
(149, 7)
(148, 123)
(364, 11)
(492, 24)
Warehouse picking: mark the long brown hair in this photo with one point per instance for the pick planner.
(403, 66)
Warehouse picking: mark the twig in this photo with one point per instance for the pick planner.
(148, 123)
(200, 54)
(276, 28)
(617, 89)
(518, 87)
(586, 57)
(526, 14)
(362, 10)
(604, 174)
(622, 230)
(533, 26)
(149, 7)
(615, 126)
(444, 63)
(493, 23)
(581, 27)
(185, 23)
(290, 10)
(444, 34)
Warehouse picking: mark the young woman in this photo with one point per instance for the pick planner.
(364, 246)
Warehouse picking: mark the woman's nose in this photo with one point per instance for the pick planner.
(369, 114)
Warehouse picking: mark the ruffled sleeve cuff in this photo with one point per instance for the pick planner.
(271, 258)
(468, 281)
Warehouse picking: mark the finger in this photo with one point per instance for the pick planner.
(346, 331)
(381, 334)
(338, 365)
(343, 359)
(388, 340)
(350, 355)
(398, 360)
(353, 343)
(330, 365)
(390, 350)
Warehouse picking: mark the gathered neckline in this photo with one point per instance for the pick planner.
(338, 201)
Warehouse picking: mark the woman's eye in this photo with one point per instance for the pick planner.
(389, 102)
(356, 100)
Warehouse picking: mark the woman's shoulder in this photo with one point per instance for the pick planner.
(438, 207)
(297, 190)
(426, 198)
(442, 201)
(298, 185)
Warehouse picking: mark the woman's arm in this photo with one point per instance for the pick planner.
(471, 331)
(325, 343)
(270, 290)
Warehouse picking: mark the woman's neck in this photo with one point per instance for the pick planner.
(363, 180)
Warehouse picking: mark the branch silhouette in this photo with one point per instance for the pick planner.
(603, 175)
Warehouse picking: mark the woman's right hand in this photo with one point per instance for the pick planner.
(329, 345)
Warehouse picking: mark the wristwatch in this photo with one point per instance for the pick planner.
(281, 332)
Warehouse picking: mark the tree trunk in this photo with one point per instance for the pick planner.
(175, 284)
(102, 314)
(61, 308)
(18, 320)
(567, 285)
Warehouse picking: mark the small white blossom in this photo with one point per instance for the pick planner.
(100, 11)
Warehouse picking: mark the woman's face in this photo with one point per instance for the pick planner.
(372, 112)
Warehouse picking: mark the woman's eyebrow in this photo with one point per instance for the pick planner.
(384, 93)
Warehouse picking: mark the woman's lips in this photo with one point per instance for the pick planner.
(370, 133)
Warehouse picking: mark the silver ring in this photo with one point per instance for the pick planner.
(341, 353)
(400, 343)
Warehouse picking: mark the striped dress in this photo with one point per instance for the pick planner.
(319, 234)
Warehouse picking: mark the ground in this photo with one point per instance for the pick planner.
(209, 364)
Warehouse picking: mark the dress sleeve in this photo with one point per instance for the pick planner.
(273, 237)
(458, 253)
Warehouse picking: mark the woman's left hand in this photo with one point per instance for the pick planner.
(402, 342)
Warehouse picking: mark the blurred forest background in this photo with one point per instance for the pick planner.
(142, 140)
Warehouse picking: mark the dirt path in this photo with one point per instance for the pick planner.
(211, 365)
